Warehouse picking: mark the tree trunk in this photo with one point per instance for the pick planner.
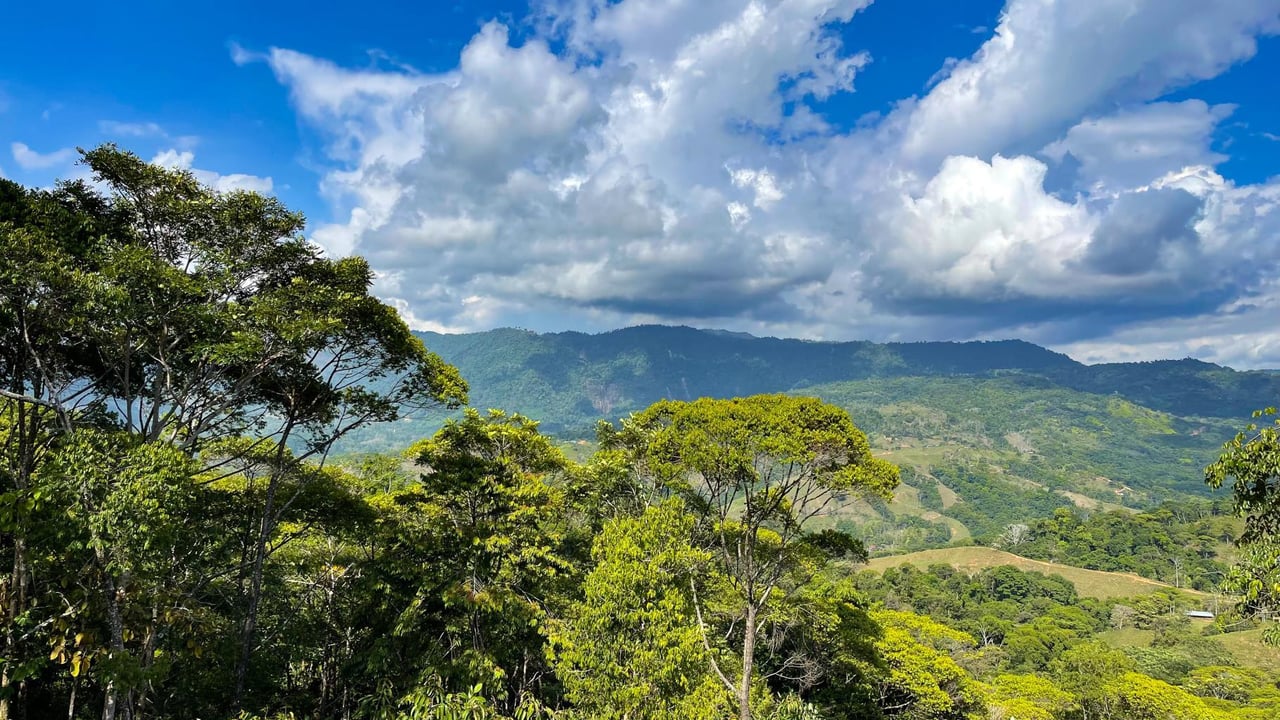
(11, 603)
(748, 660)
(266, 526)
(115, 622)
(249, 629)
(71, 705)
(109, 705)
(15, 594)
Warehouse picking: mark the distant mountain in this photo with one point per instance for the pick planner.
(987, 432)
(568, 380)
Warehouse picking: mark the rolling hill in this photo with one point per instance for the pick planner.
(570, 379)
(988, 433)
(1089, 583)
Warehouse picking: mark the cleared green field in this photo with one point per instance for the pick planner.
(1249, 649)
(1089, 583)
(1246, 646)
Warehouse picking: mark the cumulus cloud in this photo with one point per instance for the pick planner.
(29, 159)
(643, 160)
(1141, 230)
(1130, 147)
(183, 160)
(1053, 61)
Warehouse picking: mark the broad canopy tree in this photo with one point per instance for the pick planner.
(187, 317)
(757, 472)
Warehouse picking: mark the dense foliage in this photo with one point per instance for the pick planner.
(1177, 543)
(1251, 460)
(180, 541)
(987, 407)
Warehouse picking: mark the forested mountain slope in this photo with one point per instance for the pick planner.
(1031, 427)
(570, 379)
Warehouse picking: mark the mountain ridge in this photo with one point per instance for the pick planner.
(629, 368)
(1009, 430)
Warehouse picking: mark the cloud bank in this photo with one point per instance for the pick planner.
(662, 160)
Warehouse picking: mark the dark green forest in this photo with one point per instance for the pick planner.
(1145, 429)
(571, 379)
(209, 509)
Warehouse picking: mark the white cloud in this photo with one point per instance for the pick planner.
(1135, 145)
(131, 129)
(242, 56)
(1053, 61)
(182, 160)
(29, 159)
(763, 183)
(982, 231)
(666, 165)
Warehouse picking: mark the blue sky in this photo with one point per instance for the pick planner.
(1099, 177)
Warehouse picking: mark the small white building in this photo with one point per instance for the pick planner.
(1199, 614)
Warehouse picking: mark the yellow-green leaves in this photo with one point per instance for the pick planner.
(632, 647)
(923, 679)
(1252, 461)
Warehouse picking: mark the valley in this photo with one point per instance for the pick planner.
(988, 433)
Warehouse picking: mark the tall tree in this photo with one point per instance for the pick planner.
(757, 471)
(193, 318)
(1252, 461)
(631, 647)
(46, 240)
(474, 561)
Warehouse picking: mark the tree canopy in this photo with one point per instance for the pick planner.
(181, 539)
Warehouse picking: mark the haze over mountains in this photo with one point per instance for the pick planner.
(567, 380)
(1009, 429)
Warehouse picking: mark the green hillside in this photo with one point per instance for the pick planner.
(1040, 427)
(1107, 447)
(569, 380)
(988, 433)
(1088, 583)
(572, 378)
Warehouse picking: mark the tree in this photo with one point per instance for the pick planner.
(923, 681)
(757, 471)
(1014, 535)
(474, 559)
(1224, 682)
(197, 319)
(1027, 697)
(631, 648)
(825, 650)
(1122, 616)
(1252, 461)
(1084, 671)
(1134, 696)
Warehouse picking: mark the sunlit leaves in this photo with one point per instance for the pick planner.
(1252, 461)
(632, 648)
